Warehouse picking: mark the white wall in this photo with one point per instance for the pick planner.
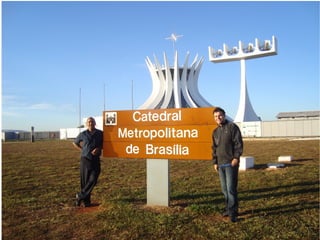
(71, 133)
(281, 128)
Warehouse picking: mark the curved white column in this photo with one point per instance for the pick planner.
(245, 110)
(193, 85)
(184, 84)
(168, 83)
(157, 89)
(176, 83)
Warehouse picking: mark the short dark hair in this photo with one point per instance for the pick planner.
(219, 109)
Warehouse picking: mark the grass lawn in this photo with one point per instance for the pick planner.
(40, 179)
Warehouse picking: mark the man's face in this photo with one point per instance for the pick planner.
(219, 117)
(91, 124)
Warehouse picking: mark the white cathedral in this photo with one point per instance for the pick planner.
(177, 86)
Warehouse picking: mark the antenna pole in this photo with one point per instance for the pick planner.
(132, 103)
(104, 96)
(79, 109)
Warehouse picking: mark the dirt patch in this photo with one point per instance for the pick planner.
(95, 207)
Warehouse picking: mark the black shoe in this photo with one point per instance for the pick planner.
(233, 219)
(87, 204)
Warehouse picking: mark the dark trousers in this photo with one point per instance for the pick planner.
(89, 173)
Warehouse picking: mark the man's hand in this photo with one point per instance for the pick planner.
(235, 162)
(95, 152)
(215, 166)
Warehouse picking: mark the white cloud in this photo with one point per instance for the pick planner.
(13, 103)
(9, 99)
(10, 114)
(41, 106)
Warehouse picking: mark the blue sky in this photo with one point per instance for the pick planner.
(51, 50)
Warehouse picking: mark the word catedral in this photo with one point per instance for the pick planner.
(165, 116)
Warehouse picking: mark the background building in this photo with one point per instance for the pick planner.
(298, 115)
(289, 124)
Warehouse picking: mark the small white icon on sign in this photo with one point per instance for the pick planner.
(110, 118)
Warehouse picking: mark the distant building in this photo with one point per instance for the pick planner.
(20, 135)
(298, 115)
(288, 124)
(71, 133)
(8, 135)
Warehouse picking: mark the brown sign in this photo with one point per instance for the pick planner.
(183, 133)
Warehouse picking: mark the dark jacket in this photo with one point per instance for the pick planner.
(227, 143)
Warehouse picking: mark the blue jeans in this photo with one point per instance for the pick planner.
(229, 185)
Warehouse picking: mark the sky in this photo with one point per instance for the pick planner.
(64, 61)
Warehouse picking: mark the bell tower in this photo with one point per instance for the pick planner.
(245, 112)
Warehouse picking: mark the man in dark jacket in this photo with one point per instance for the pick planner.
(227, 148)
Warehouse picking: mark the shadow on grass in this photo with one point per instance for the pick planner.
(302, 159)
(216, 200)
(271, 191)
(281, 209)
(184, 200)
(131, 200)
(282, 192)
(287, 164)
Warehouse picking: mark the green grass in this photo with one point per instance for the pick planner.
(40, 179)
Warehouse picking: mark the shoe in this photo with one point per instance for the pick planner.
(78, 201)
(233, 219)
(225, 214)
(87, 204)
